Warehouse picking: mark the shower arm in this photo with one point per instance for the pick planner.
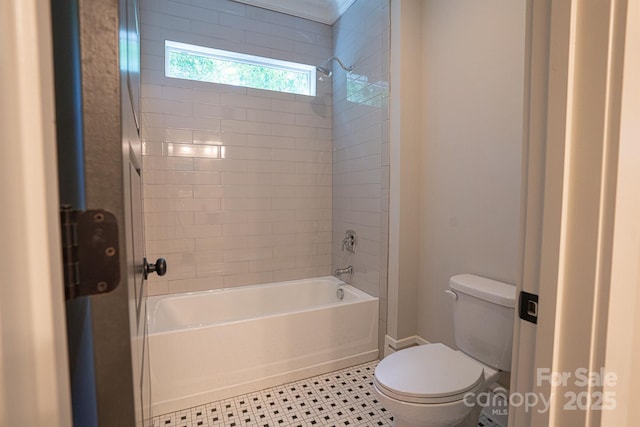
(335, 58)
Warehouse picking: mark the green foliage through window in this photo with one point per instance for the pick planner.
(210, 65)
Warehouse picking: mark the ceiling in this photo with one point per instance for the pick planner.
(325, 11)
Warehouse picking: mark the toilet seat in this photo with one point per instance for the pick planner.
(428, 374)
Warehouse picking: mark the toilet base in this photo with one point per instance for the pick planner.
(470, 420)
(453, 414)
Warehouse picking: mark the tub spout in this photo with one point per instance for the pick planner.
(347, 270)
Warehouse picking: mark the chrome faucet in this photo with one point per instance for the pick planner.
(347, 270)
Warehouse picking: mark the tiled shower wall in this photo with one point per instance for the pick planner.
(237, 182)
(361, 146)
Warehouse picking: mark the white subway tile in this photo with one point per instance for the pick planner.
(294, 155)
(159, 205)
(249, 153)
(194, 231)
(195, 123)
(266, 116)
(222, 6)
(271, 166)
(152, 149)
(207, 191)
(176, 93)
(272, 188)
(219, 243)
(292, 251)
(223, 112)
(264, 15)
(255, 229)
(206, 97)
(189, 177)
(151, 62)
(246, 204)
(271, 265)
(282, 192)
(150, 91)
(211, 256)
(365, 205)
(313, 168)
(248, 279)
(296, 273)
(291, 33)
(246, 127)
(189, 11)
(244, 178)
(207, 138)
(224, 32)
(275, 42)
(194, 284)
(160, 218)
(157, 286)
(313, 261)
(235, 139)
(150, 17)
(240, 22)
(197, 205)
(292, 179)
(245, 101)
(192, 151)
(220, 165)
(313, 144)
(313, 121)
(167, 191)
(269, 141)
(247, 254)
(170, 246)
(219, 269)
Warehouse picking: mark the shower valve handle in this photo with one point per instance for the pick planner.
(160, 267)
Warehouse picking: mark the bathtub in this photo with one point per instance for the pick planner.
(211, 345)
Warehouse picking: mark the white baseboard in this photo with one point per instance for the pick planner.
(391, 345)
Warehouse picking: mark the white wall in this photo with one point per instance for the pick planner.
(263, 212)
(361, 145)
(473, 74)
(406, 140)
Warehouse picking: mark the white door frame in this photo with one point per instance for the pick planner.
(34, 374)
(573, 130)
(623, 329)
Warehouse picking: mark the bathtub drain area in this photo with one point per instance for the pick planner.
(343, 398)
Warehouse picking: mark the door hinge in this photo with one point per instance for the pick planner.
(90, 255)
(528, 307)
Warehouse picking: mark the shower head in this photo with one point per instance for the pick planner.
(326, 71)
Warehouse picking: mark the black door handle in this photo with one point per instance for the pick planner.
(160, 267)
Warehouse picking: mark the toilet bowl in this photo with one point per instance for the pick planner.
(431, 385)
(434, 385)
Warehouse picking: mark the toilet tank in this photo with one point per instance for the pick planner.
(483, 319)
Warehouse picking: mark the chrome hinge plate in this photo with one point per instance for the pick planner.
(90, 252)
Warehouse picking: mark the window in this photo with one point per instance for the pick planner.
(191, 62)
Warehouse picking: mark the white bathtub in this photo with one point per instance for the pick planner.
(211, 345)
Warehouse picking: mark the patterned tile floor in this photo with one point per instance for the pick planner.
(343, 398)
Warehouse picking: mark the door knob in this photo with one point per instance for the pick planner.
(160, 267)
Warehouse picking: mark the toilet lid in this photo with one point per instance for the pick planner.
(432, 373)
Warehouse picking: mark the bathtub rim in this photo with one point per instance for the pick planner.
(153, 301)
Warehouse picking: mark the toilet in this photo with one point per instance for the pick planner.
(434, 385)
